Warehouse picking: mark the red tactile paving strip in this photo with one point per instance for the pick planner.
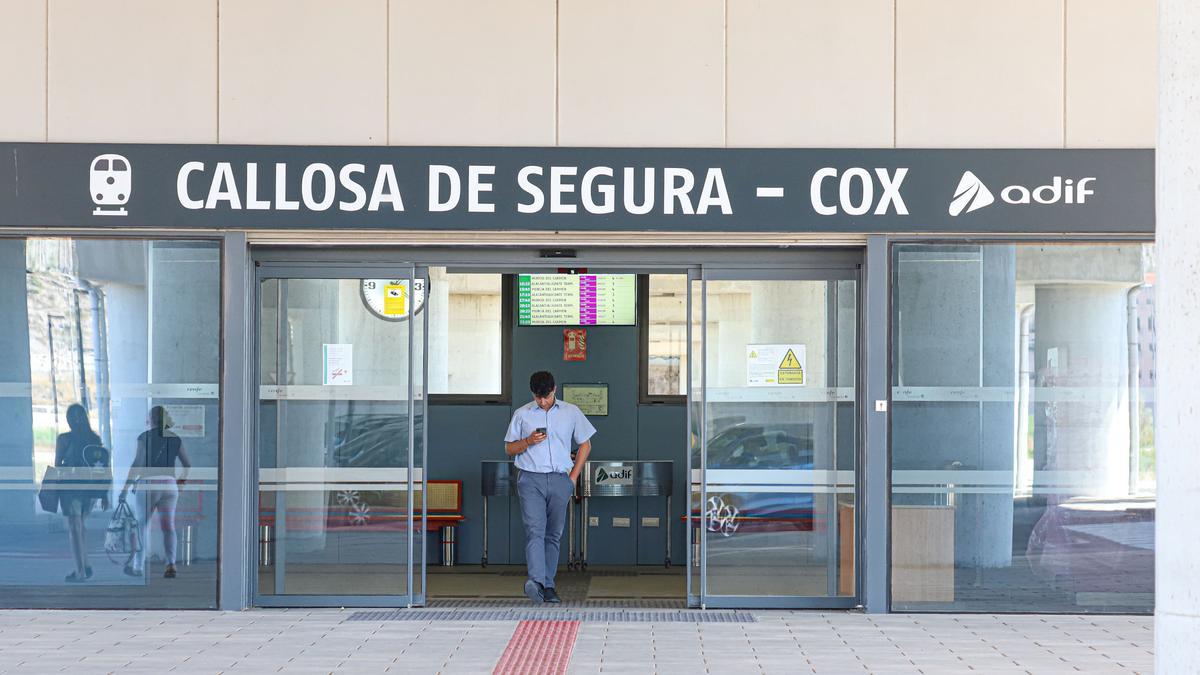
(542, 647)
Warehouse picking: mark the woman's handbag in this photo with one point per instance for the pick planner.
(48, 493)
(122, 538)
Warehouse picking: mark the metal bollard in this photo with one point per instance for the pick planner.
(449, 539)
(187, 544)
(264, 546)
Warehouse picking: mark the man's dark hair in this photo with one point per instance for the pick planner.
(541, 383)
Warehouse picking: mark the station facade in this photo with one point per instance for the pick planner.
(943, 212)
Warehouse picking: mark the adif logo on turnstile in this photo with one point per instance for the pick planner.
(614, 476)
(110, 180)
(972, 195)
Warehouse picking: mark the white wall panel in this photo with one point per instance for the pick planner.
(472, 73)
(979, 74)
(810, 73)
(23, 73)
(1112, 71)
(137, 71)
(303, 71)
(633, 72)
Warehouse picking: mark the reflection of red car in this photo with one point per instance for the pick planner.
(1096, 545)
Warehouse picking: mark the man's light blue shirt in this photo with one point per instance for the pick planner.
(564, 423)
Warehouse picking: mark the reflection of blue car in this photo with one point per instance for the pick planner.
(765, 448)
(372, 440)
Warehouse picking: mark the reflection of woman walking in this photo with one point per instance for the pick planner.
(154, 470)
(72, 451)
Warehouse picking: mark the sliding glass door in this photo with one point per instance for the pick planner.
(341, 430)
(773, 430)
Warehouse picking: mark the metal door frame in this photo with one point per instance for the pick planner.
(799, 271)
(699, 264)
(292, 270)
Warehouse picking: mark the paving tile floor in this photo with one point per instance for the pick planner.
(325, 641)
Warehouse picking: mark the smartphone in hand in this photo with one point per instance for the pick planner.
(540, 430)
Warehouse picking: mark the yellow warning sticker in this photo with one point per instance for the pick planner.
(395, 300)
(776, 365)
(790, 370)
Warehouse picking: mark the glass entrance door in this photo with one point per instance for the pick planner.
(341, 431)
(774, 435)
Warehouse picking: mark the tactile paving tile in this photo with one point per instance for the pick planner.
(565, 614)
(539, 647)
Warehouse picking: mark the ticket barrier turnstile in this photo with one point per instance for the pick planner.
(630, 478)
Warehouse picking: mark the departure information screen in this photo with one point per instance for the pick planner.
(577, 299)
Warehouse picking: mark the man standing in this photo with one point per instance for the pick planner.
(540, 437)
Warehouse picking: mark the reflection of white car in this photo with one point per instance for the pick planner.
(110, 182)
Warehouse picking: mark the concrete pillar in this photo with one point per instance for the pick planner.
(1080, 340)
(438, 307)
(1177, 574)
(16, 420)
(955, 313)
(185, 341)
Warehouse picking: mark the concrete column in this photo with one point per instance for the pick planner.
(1080, 340)
(184, 293)
(16, 420)
(1177, 600)
(955, 318)
(438, 306)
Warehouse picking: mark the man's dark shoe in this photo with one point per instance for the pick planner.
(533, 591)
(548, 595)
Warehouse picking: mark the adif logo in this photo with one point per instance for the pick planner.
(623, 475)
(110, 181)
(970, 195)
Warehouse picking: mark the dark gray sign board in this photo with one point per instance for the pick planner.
(1007, 191)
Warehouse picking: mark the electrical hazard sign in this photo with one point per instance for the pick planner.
(775, 365)
(790, 370)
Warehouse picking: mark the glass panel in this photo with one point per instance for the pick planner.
(1022, 428)
(466, 324)
(666, 367)
(333, 439)
(779, 410)
(109, 387)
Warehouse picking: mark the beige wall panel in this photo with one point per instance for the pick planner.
(465, 72)
(304, 72)
(810, 73)
(137, 71)
(638, 72)
(979, 74)
(1112, 73)
(23, 75)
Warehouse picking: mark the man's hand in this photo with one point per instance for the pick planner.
(574, 476)
(520, 445)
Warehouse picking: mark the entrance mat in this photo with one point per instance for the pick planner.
(637, 572)
(491, 603)
(658, 586)
(567, 614)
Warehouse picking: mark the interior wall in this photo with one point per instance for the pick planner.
(462, 435)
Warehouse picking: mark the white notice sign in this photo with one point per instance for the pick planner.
(339, 364)
(187, 421)
(776, 365)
